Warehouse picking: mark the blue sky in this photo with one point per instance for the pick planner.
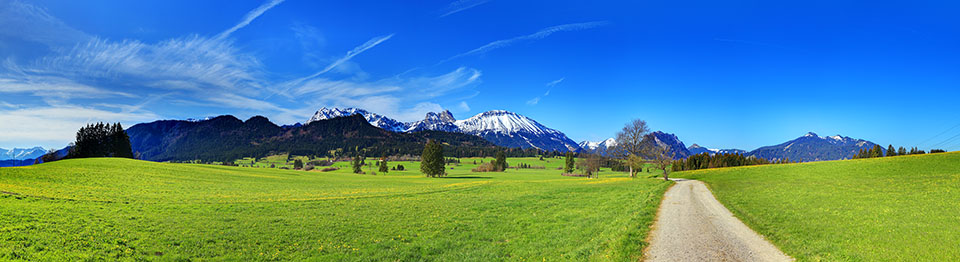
(738, 74)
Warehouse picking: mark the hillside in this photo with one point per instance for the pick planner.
(121, 209)
(892, 208)
(226, 138)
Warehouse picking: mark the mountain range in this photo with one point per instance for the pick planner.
(809, 147)
(697, 149)
(502, 128)
(21, 153)
(226, 138)
(358, 131)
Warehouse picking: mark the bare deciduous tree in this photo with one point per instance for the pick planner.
(630, 142)
(590, 165)
(661, 156)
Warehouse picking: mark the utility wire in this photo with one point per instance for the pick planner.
(941, 133)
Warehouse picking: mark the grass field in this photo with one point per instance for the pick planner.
(904, 208)
(119, 209)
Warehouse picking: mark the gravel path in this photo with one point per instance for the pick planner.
(694, 226)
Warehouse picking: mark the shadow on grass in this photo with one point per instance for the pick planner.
(467, 177)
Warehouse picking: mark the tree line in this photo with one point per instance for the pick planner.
(96, 140)
(877, 151)
(706, 160)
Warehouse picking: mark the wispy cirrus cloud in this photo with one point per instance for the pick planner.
(534, 36)
(253, 14)
(284, 87)
(16, 17)
(350, 54)
(550, 85)
(461, 5)
(388, 96)
(109, 72)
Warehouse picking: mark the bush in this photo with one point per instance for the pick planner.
(321, 163)
(308, 167)
(329, 169)
(485, 167)
(399, 167)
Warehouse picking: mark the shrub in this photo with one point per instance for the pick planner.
(321, 163)
(485, 167)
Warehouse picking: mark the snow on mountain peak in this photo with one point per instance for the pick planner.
(811, 134)
(374, 119)
(504, 122)
(501, 127)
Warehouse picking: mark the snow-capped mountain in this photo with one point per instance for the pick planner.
(697, 149)
(501, 127)
(510, 129)
(442, 121)
(811, 147)
(590, 145)
(21, 153)
(376, 120)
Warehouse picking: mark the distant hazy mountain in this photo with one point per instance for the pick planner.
(503, 128)
(697, 149)
(811, 147)
(21, 153)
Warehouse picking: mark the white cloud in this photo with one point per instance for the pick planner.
(555, 82)
(253, 14)
(550, 85)
(54, 88)
(461, 5)
(533, 101)
(350, 54)
(284, 87)
(387, 96)
(535, 36)
(31, 23)
(464, 107)
(54, 126)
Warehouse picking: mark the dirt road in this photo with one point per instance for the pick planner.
(694, 226)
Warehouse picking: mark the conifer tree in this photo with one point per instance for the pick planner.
(357, 165)
(891, 151)
(383, 165)
(570, 162)
(431, 161)
(500, 163)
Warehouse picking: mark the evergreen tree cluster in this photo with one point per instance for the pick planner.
(877, 151)
(500, 163)
(431, 161)
(101, 140)
(569, 163)
(705, 160)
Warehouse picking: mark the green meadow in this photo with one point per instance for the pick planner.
(904, 208)
(121, 209)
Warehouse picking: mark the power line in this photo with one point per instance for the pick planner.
(946, 141)
(941, 133)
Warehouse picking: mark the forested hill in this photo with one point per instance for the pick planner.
(226, 138)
